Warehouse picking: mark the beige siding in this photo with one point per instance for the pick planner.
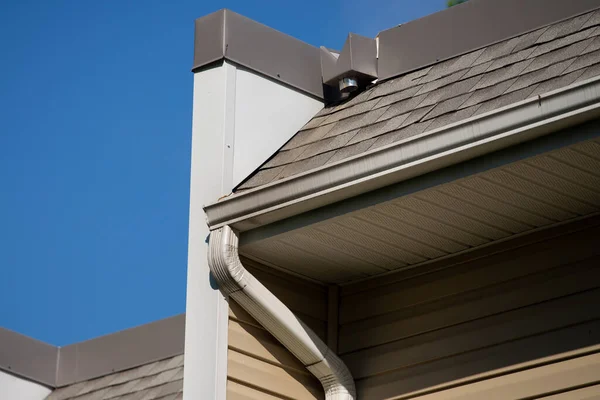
(259, 367)
(461, 328)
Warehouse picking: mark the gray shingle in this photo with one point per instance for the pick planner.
(355, 122)
(589, 72)
(529, 39)
(262, 177)
(399, 96)
(453, 117)
(540, 75)
(557, 83)
(416, 116)
(477, 70)
(284, 157)
(305, 165)
(325, 145)
(313, 123)
(556, 56)
(393, 137)
(447, 106)
(438, 83)
(305, 137)
(564, 28)
(398, 84)
(502, 74)
(593, 21)
(584, 61)
(379, 128)
(488, 93)
(504, 100)
(351, 111)
(402, 107)
(565, 41)
(351, 150)
(510, 59)
(497, 50)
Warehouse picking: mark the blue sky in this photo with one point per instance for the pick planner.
(95, 125)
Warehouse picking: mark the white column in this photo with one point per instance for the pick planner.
(13, 387)
(205, 372)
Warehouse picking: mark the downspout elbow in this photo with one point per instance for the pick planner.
(235, 281)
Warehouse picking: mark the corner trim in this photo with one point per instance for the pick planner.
(227, 35)
(414, 156)
(235, 281)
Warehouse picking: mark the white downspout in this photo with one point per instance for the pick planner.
(234, 280)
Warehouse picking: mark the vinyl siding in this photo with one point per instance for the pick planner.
(517, 319)
(259, 367)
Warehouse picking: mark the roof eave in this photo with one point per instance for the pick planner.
(411, 157)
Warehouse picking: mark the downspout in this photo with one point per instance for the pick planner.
(235, 281)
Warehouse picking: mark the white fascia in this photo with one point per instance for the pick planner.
(409, 158)
(236, 282)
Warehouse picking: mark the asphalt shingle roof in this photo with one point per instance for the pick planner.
(160, 380)
(480, 81)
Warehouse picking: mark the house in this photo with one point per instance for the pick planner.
(415, 216)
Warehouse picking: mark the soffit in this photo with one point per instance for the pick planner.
(429, 98)
(446, 219)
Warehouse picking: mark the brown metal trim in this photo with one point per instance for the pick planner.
(122, 350)
(27, 357)
(228, 35)
(60, 366)
(467, 27)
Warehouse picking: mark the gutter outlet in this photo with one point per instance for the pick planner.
(235, 281)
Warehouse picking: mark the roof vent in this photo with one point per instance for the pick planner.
(353, 68)
(348, 85)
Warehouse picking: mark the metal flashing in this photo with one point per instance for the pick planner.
(467, 27)
(357, 59)
(60, 366)
(228, 35)
(402, 160)
(28, 358)
(121, 350)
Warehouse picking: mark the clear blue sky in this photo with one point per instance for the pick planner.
(95, 125)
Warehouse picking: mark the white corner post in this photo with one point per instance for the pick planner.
(14, 387)
(240, 118)
(205, 372)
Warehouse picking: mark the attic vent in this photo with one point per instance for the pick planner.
(353, 68)
(348, 85)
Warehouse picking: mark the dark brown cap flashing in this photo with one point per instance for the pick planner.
(228, 35)
(467, 27)
(27, 357)
(55, 366)
(416, 44)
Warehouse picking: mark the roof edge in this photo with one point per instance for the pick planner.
(55, 366)
(408, 158)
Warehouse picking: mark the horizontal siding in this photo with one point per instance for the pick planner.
(259, 367)
(522, 300)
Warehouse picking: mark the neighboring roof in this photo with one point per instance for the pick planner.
(429, 98)
(142, 351)
(158, 380)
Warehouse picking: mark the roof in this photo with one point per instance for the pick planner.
(480, 81)
(158, 380)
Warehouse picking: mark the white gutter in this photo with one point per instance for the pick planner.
(408, 158)
(234, 280)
